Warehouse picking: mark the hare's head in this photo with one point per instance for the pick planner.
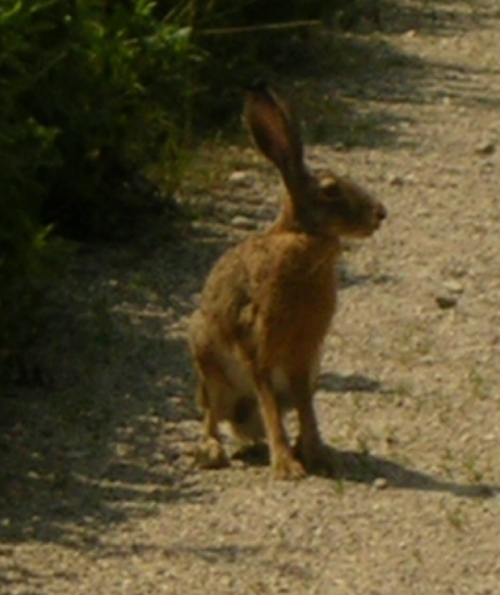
(322, 203)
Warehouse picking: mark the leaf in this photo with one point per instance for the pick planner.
(9, 14)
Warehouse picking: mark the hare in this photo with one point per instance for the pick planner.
(268, 302)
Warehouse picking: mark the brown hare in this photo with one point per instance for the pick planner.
(268, 302)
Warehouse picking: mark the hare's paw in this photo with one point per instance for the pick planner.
(211, 455)
(285, 467)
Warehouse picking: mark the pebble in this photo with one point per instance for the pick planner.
(428, 360)
(446, 301)
(226, 580)
(243, 222)
(485, 148)
(380, 483)
(397, 181)
(238, 177)
(453, 286)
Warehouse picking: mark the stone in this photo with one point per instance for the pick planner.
(380, 483)
(485, 148)
(238, 177)
(243, 222)
(453, 286)
(446, 302)
(397, 180)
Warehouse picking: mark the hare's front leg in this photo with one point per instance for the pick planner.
(284, 464)
(309, 447)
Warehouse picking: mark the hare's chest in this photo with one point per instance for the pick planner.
(305, 289)
(294, 317)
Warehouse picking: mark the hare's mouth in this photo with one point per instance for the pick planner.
(368, 230)
(368, 222)
(380, 213)
(375, 227)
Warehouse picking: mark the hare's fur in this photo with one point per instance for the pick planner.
(268, 302)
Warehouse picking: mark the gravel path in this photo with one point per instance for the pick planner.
(99, 494)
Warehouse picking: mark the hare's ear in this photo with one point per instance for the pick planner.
(274, 129)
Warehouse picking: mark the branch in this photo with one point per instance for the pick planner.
(257, 28)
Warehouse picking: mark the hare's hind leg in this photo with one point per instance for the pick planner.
(211, 454)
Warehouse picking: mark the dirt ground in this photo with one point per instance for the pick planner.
(99, 492)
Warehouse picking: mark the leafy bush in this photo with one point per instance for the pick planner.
(110, 83)
(91, 92)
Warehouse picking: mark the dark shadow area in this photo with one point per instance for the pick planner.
(333, 95)
(70, 469)
(441, 17)
(349, 278)
(360, 467)
(255, 455)
(366, 468)
(99, 428)
(332, 78)
(339, 383)
(215, 554)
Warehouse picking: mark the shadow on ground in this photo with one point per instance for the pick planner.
(368, 469)
(341, 383)
(360, 467)
(98, 429)
(342, 98)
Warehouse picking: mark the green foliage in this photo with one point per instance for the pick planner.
(91, 92)
(109, 81)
